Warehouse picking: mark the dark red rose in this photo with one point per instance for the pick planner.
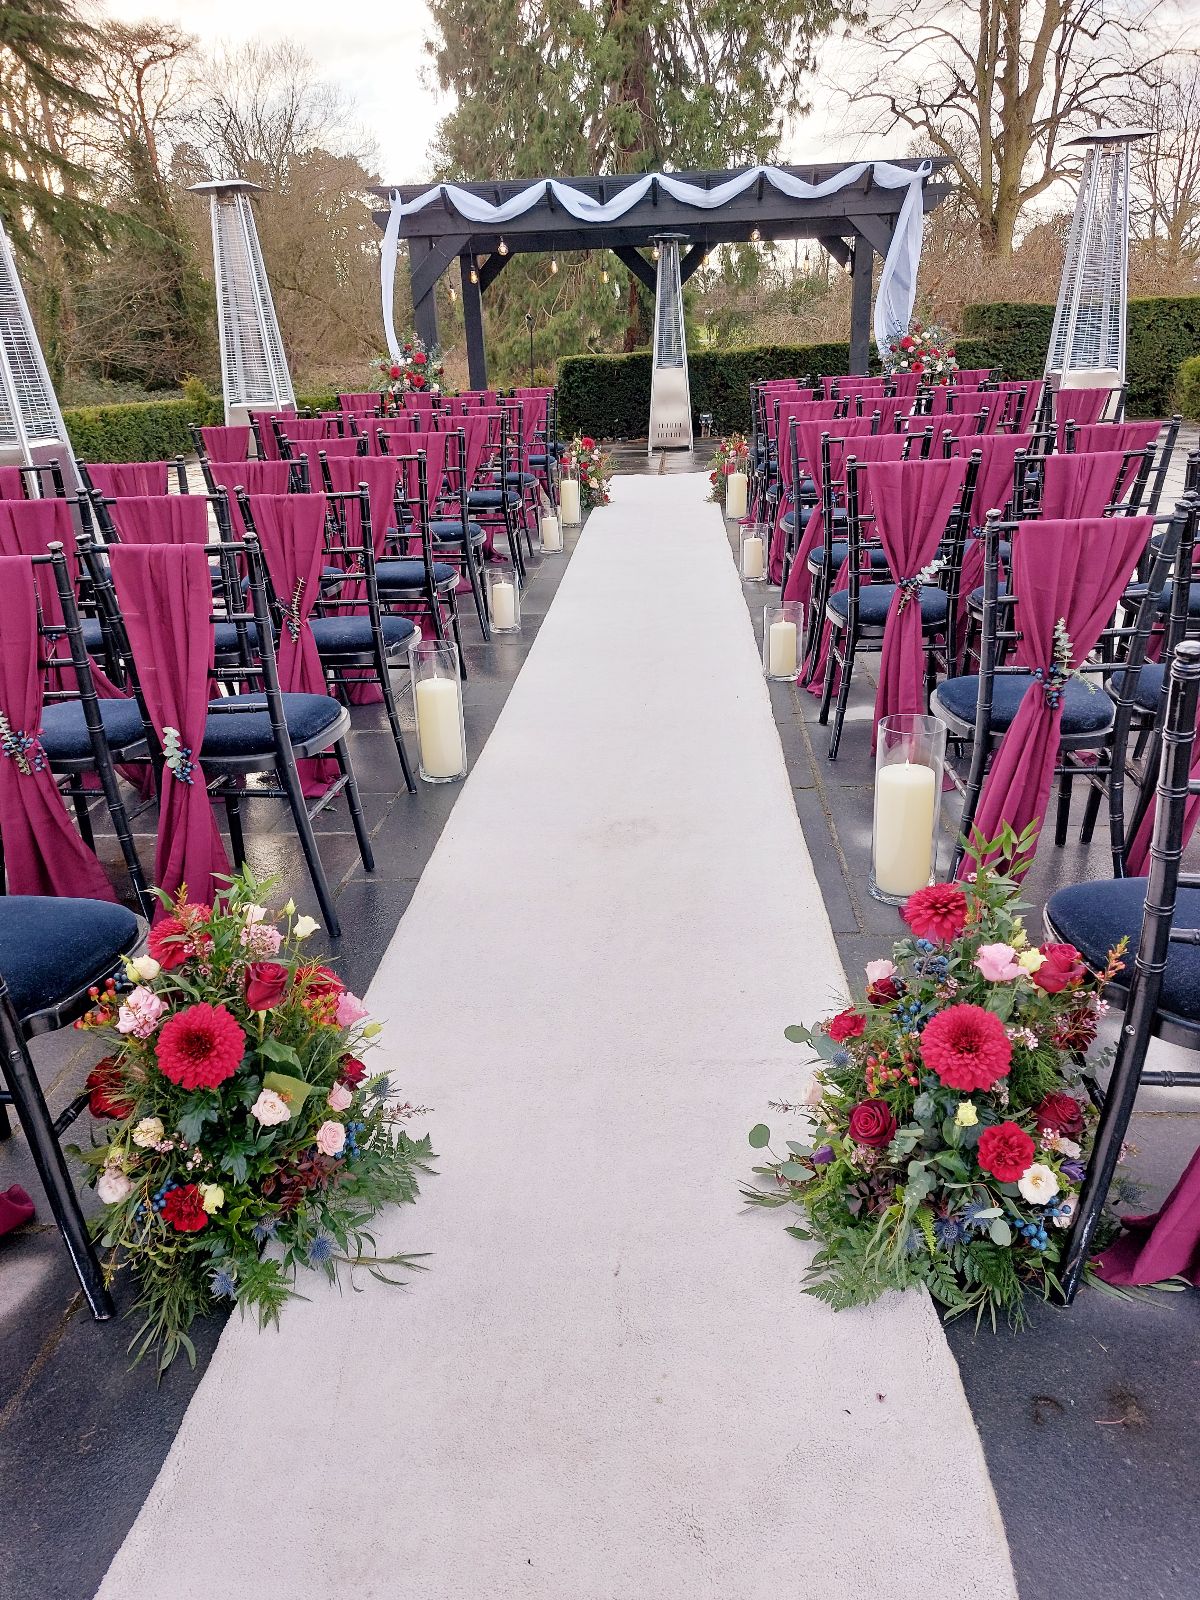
(907, 343)
(938, 913)
(1005, 1151)
(1059, 1113)
(872, 1124)
(106, 1091)
(266, 985)
(184, 1209)
(351, 1072)
(878, 994)
(1063, 966)
(846, 1025)
(418, 382)
(918, 367)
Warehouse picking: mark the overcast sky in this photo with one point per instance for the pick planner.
(373, 50)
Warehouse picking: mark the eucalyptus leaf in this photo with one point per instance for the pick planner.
(1000, 1232)
(793, 1171)
(797, 1034)
(760, 1136)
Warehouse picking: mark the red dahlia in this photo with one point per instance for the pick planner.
(200, 1047)
(967, 1047)
(184, 1209)
(172, 940)
(1005, 1151)
(938, 913)
(319, 980)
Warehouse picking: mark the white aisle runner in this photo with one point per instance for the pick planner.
(608, 1385)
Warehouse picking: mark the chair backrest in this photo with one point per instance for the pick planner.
(227, 443)
(12, 484)
(1082, 406)
(255, 477)
(263, 424)
(160, 519)
(116, 479)
(342, 476)
(1090, 485)
(365, 400)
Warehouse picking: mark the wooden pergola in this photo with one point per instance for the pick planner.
(853, 225)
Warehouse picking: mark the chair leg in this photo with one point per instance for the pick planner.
(233, 815)
(354, 802)
(290, 780)
(827, 687)
(1066, 780)
(477, 593)
(393, 716)
(1091, 811)
(48, 1158)
(120, 821)
(843, 698)
(84, 818)
(456, 629)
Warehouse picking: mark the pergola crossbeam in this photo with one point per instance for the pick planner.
(638, 265)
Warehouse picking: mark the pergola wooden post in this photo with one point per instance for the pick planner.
(854, 225)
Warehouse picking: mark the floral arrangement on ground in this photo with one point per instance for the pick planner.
(924, 349)
(952, 1131)
(731, 455)
(417, 369)
(584, 459)
(250, 1139)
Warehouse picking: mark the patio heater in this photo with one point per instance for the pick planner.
(1087, 341)
(254, 371)
(670, 398)
(32, 431)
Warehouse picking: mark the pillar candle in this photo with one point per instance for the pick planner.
(439, 727)
(905, 802)
(552, 529)
(504, 604)
(568, 500)
(753, 557)
(782, 649)
(735, 494)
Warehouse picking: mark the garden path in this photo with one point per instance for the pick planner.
(608, 1385)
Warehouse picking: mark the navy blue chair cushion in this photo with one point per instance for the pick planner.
(448, 530)
(225, 635)
(491, 499)
(840, 551)
(65, 735)
(243, 733)
(975, 598)
(1137, 591)
(1084, 710)
(538, 458)
(514, 479)
(1094, 916)
(409, 573)
(875, 598)
(1149, 685)
(351, 634)
(51, 947)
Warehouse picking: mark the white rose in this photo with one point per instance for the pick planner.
(1038, 1184)
(148, 1132)
(146, 968)
(305, 926)
(270, 1109)
(113, 1186)
(254, 914)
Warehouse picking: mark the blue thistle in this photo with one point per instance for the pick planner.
(262, 1231)
(973, 1221)
(222, 1284)
(378, 1087)
(320, 1250)
(948, 1231)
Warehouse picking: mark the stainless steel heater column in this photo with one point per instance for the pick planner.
(254, 371)
(670, 398)
(1087, 342)
(32, 430)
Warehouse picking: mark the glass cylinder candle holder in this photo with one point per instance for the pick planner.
(783, 631)
(503, 599)
(736, 489)
(550, 528)
(437, 701)
(754, 552)
(568, 501)
(910, 759)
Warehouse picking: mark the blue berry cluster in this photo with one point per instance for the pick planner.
(909, 1015)
(1034, 1232)
(23, 748)
(350, 1148)
(183, 766)
(1052, 683)
(156, 1200)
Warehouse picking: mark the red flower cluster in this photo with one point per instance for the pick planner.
(184, 1209)
(201, 1046)
(938, 913)
(1005, 1151)
(967, 1047)
(872, 1123)
(846, 1025)
(105, 1090)
(351, 1072)
(174, 939)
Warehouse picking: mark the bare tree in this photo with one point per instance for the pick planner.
(997, 86)
(1165, 198)
(145, 75)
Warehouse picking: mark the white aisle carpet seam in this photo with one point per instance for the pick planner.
(608, 1385)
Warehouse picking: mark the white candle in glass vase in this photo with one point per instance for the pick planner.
(568, 500)
(504, 604)
(782, 649)
(753, 557)
(905, 802)
(552, 530)
(439, 727)
(735, 494)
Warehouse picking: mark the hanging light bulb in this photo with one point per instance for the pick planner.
(603, 274)
(474, 276)
(655, 252)
(755, 235)
(807, 255)
(453, 294)
(553, 263)
(502, 248)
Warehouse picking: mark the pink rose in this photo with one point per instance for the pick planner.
(140, 1012)
(339, 1097)
(878, 971)
(350, 1010)
(331, 1138)
(998, 963)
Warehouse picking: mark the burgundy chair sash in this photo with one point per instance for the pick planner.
(43, 854)
(162, 519)
(267, 442)
(912, 502)
(1080, 405)
(381, 475)
(1092, 437)
(255, 477)
(1079, 485)
(334, 445)
(12, 483)
(365, 400)
(993, 490)
(799, 584)
(1164, 1245)
(1070, 572)
(227, 444)
(115, 479)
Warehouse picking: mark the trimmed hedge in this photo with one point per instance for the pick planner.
(155, 430)
(609, 396)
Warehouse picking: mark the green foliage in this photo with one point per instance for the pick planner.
(1163, 332)
(1187, 389)
(153, 431)
(609, 396)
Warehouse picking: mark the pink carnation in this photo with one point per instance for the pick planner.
(350, 1010)
(998, 963)
(140, 1012)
